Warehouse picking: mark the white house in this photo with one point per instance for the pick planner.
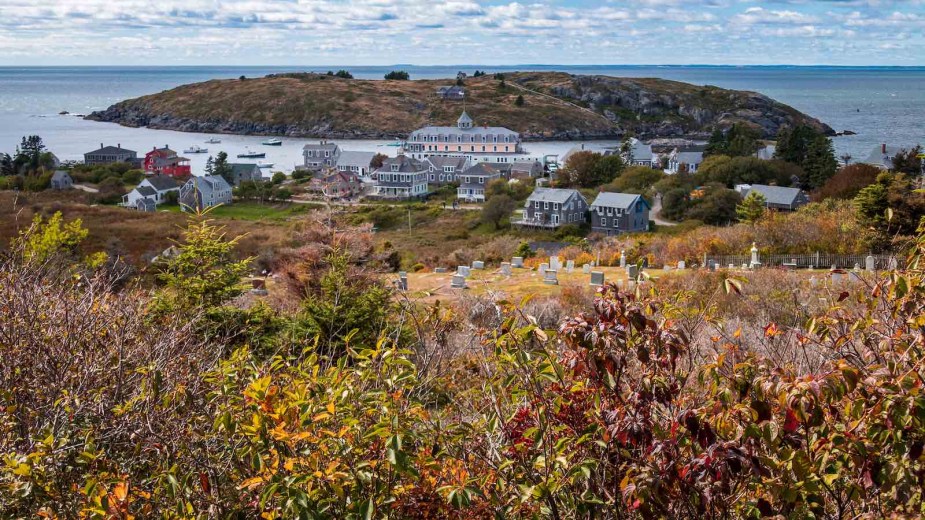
(153, 190)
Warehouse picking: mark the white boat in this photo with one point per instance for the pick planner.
(272, 142)
(213, 140)
(261, 164)
(196, 149)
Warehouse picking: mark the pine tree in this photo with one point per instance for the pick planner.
(820, 163)
(752, 208)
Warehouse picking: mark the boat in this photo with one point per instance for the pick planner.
(251, 155)
(195, 149)
(213, 140)
(261, 164)
(272, 142)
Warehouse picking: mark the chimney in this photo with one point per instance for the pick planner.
(101, 145)
(883, 148)
(119, 146)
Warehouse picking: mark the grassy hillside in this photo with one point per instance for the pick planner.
(556, 106)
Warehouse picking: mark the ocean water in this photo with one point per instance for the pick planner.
(880, 104)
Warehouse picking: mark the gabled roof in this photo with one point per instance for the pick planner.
(440, 161)
(210, 183)
(60, 175)
(775, 194)
(110, 150)
(560, 195)
(321, 146)
(244, 168)
(884, 159)
(688, 157)
(617, 200)
(525, 166)
(406, 165)
(481, 170)
(146, 191)
(355, 158)
(162, 182)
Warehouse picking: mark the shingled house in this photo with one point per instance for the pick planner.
(776, 197)
(615, 213)
(553, 207)
(111, 154)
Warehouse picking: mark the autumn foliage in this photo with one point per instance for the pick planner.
(644, 406)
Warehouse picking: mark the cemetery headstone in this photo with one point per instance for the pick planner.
(586, 268)
(554, 263)
(458, 282)
(463, 270)
(517, 261)
(440, 270)
(506, 269)
(632, 272)
(478, 264)
(543, 268)
(869, 263)
(597, 278)
(550, 278)
(569, 266)
(622, 259)
(681, 265)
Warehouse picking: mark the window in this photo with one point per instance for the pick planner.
(616, 223)
(433, 177)
(609, 212)
(395, 167)
(556, 206)
(545, 205)
(481, 180)
(536, 204)
(441, 177)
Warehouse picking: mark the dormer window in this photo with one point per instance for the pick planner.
(395, 167)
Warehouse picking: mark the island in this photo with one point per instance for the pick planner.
(538, 105)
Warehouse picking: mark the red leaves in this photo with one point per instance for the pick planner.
(843, 296)
(771, 330)
(791, 423)
(204, 483)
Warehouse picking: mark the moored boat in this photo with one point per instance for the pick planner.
(272, 142)
(251, 155)
(213, 140)
(195, 149)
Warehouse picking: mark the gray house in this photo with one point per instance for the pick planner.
(200, 193)
(320, 156)
(444, 169)
(451, 93)
(243, 172)
(553, 207)
(526, 170)
(401, 178)
(472, 182)
(777, 197)
(359, 163)
(615, 213)
(61, 180)
(110, 154)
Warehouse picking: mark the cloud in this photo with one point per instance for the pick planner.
(460, 31)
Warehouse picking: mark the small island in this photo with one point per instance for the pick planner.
(538, 105)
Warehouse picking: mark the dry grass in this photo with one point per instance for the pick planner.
(136, 237)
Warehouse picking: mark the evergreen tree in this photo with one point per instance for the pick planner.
(520, 100)
(820, 163)
(221, 167)
(210, 169)
(752, 208)
(524, 251)
(737, 141)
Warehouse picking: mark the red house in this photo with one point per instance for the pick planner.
(164, 161)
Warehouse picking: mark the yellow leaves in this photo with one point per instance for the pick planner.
(251, 483)
(320, 417)
(120, 491)
(331, 408)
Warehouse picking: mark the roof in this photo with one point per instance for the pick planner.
(688, 157)
(320, 146)
(162, 182)
(482, 170)
(110, 150)
(775, 194)
(464, 119)
(60, 175)
(616, 200)
(766, 152)
(210, 183)
(441, 161)
(525, 166)
(406, 165)
(879, 158)
(145, 191)
(353, 158)
(560, 195)
(244, 169)
(344, 177)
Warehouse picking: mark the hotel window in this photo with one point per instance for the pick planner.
(495, 149)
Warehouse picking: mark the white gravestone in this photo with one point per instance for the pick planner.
(459, 282)
(554, 263)
(586, 268)
(506, 269)
(632, 271)
(681, 265)
(569, 266)
(543, 268)
(478, 264)
(622, 259)
(463, 270)
(440, 270)
(517, 261)
(869, 263)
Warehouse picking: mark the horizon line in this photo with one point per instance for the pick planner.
(470, 65)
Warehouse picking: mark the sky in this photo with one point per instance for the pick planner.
(435, 32)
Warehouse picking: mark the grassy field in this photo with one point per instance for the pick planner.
(254, 211)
